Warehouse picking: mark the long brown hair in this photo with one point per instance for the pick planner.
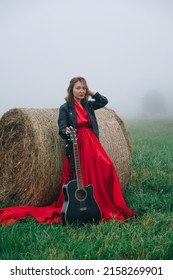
(69, 97)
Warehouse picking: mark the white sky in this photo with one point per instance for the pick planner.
(123, 48)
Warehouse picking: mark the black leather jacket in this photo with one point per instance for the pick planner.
(67, 117)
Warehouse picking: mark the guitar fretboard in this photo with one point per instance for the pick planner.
(78, 167)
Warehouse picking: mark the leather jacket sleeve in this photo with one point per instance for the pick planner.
(99, 101)
(63, 122)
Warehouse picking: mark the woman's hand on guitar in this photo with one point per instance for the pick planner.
(68, 130)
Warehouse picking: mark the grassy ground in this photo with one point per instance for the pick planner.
(149, 194)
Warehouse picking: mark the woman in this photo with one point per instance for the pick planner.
(97, 168)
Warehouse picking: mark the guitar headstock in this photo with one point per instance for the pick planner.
(73, 136)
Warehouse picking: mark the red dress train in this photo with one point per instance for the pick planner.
(97, 169)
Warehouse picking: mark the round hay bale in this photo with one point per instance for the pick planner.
(114, 138)
(30, 156)
(32, 153)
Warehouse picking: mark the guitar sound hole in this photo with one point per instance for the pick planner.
(81, 194)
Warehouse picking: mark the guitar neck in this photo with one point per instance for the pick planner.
(77, 166)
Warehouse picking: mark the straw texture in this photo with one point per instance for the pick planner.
(32, 153)
(115, 140)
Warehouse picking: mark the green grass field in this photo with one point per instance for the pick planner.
(150, 195)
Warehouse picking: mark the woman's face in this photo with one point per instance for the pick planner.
(79, 91)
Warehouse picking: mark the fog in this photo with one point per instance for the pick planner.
(124, 49)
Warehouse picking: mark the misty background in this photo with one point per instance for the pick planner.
(124, 49)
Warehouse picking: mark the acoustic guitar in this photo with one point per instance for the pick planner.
(79, 204)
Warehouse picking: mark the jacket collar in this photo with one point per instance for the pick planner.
(72, 112)
(70, 106)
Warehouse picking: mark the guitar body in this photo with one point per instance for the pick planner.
(79, 205)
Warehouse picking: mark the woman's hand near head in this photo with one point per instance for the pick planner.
(90, 92)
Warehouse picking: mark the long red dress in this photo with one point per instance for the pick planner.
(97, 169)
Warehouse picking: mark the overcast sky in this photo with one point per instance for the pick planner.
(124, 48)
